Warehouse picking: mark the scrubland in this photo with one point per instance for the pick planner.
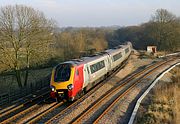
(162, 104)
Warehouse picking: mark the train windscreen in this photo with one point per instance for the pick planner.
(62, 73)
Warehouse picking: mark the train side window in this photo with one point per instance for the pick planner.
(92, 68)
(97, 66)
(117, 56)
(103, 64)
(126, 50)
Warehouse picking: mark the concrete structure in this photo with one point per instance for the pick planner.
(151, 49)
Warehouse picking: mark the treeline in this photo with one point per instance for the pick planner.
(77, 43)
(163, 30)
(30, 40)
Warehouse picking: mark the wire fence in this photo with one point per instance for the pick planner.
(13, 94)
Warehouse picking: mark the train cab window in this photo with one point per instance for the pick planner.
(62, 73)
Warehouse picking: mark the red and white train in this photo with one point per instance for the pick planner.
(70, 79)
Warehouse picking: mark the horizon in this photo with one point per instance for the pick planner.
(98, 13)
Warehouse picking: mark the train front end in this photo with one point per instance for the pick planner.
(62, 82)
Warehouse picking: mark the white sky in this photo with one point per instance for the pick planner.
(99, 12)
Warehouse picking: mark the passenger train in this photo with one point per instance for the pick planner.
(70, 79)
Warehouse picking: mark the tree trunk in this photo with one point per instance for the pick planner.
(18, 78)
(27, 68)
(26, 77)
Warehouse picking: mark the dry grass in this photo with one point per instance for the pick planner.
(162, 105)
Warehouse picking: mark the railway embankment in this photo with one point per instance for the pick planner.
(120, 112)
(161, 105)
(134, 63)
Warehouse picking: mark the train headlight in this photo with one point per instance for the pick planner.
(70, 87)
(53, 88)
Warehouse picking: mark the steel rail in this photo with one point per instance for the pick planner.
(21, 106)
(40, 115)
(22, 112)
(116, 89)
(127, 91)
(61, 113)
(83, 97)
(153, 83)
(18, 101)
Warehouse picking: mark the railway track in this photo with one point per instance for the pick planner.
(71, 107)
(96, 111)
(16, 113)
(13, 112)
(22, 100)
(44, 113)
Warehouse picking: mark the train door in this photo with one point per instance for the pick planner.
(86, 75)
(109, 62)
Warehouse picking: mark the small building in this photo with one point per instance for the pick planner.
(151, 49)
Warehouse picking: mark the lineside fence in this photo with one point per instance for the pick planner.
(14, 94)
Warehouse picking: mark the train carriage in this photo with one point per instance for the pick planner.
(70, 79)
(98, 67)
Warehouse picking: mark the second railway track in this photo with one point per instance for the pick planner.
(66, 112)
(11, 114)
(45, 116)
(97, 110)
(19, 113)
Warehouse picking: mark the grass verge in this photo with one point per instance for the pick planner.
(162, 105)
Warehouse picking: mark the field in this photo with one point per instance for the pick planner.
(8, 82)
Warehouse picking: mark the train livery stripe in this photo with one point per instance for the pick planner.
(78, 79)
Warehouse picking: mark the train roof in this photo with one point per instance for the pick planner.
(116, 49)
(87, 59)
(96, 56)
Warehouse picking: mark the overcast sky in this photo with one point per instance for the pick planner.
(79, 13)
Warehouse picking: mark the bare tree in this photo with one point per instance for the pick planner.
(163, 16)
(25, 36)
(75, 43)
(165, 30)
